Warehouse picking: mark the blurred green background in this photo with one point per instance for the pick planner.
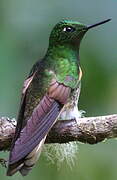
(25, 26)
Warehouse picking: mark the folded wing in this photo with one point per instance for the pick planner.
(39, 124)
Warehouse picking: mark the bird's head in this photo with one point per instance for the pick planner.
(70, 32)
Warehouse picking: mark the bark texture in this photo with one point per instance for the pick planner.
(89, 130)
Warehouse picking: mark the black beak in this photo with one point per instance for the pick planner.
(97, 24)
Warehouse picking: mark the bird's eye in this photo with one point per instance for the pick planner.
(69, 29)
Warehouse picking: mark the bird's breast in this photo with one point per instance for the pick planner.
(70, 110)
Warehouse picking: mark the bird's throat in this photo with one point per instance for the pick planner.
(64, 62)
(63, 51)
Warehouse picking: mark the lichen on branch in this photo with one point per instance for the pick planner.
(88, 130)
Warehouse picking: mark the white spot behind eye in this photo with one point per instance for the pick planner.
(68, 29)
(64, 29)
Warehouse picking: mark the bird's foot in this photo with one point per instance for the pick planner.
(3, 162)
(82, 113)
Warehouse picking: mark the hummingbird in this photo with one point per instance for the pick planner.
(50, 92)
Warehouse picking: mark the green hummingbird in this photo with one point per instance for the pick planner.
(50, 92)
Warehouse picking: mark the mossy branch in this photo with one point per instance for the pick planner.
(88, 130)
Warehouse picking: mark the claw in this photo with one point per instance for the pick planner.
(3, 162)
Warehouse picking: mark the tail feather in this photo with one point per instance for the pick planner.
(32, 158)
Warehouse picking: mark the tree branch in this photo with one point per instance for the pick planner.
(88, 130)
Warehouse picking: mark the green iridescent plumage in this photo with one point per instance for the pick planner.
(62, 58)
(50, 92)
